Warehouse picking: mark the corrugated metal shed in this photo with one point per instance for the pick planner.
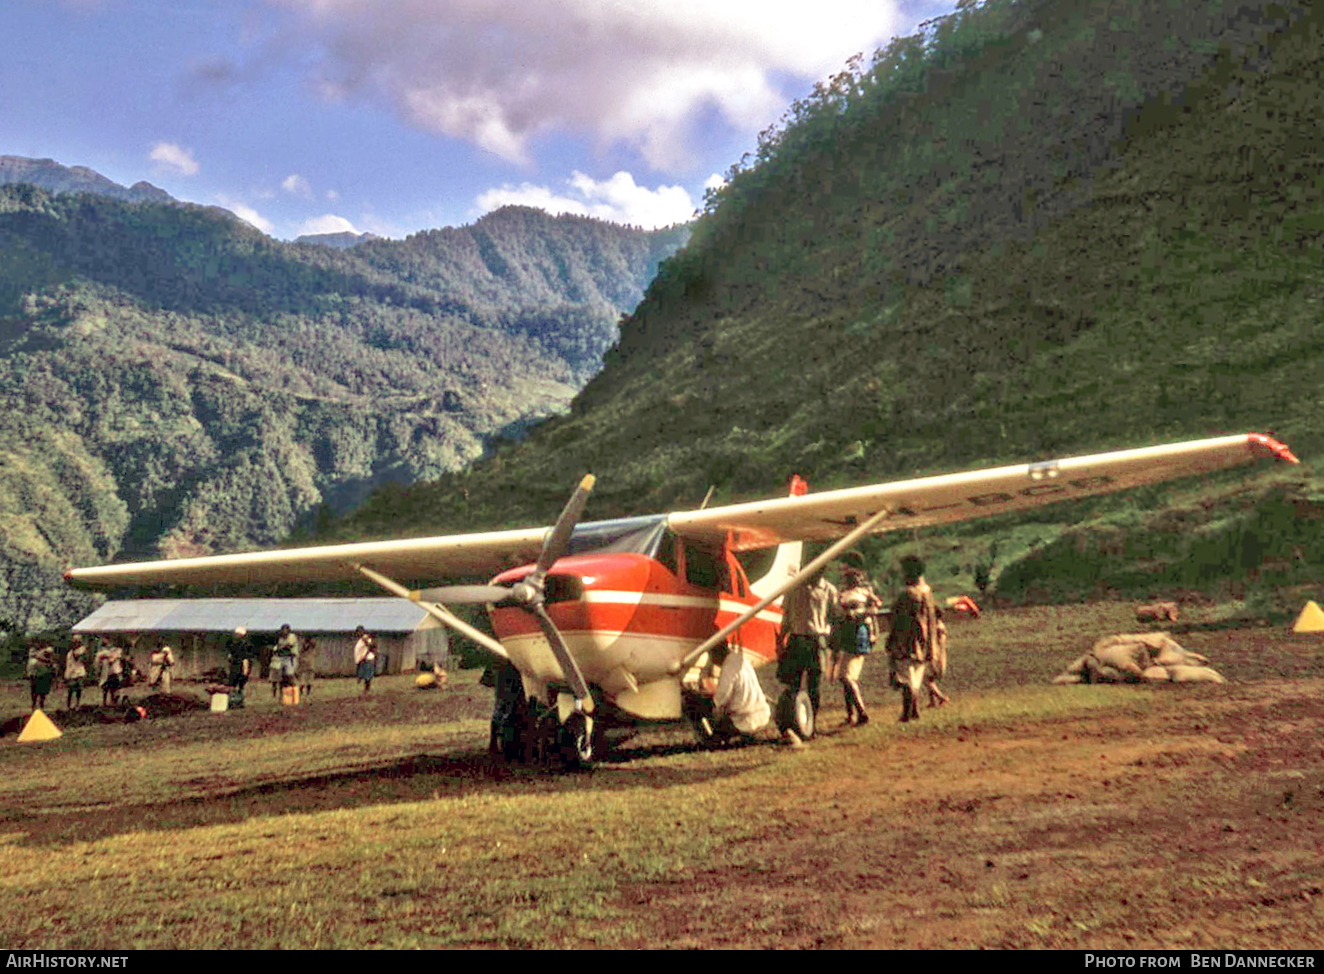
(257, 615)
(198, 630)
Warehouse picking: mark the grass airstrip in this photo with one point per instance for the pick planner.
(1021, 815)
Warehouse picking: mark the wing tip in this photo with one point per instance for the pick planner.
(1261, 444)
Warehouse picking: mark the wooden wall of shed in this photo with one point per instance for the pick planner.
(395, 653)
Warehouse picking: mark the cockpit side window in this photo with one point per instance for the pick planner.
(704, 568)
(667, 553)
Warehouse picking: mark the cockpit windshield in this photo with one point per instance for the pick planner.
(638, 535)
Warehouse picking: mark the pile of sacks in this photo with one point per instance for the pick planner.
(1139, 657)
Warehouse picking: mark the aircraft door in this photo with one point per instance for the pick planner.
(736, 586)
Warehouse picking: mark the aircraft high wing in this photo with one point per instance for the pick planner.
(966, 496)
(814, 517)
(617, 612)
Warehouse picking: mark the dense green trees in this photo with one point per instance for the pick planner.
(173, 382)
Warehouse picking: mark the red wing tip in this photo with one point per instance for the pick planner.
(1267, 446)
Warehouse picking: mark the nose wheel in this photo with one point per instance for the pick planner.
(575, 741)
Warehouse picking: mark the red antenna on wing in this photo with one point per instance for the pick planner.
(799, 486)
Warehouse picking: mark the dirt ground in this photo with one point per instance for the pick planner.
(1196, 823)
(1192, 818)
(1172, 817)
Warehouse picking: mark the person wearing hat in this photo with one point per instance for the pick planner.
(284, 659)
(162, 663)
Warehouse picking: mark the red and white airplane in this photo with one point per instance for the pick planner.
(605, 622)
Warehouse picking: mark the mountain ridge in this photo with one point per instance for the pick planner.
(173, 382)
(51, 175)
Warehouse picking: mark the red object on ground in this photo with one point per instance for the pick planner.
(964, 605)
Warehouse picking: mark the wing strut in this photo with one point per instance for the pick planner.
(798, 578)
(437, 611)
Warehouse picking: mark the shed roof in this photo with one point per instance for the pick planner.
(384, 615)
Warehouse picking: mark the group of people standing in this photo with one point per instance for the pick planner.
(293, 663)
(829, 632)
(111, 662)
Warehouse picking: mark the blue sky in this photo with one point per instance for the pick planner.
(393, 116)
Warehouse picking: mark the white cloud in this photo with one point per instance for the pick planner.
(174, 158)
(298, 185)
(500, 72)
(247, 214)
(327, 223)
(618, 199)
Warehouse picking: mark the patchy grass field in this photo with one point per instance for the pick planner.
(1021, 815)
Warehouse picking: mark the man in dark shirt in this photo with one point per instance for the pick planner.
(911, 641)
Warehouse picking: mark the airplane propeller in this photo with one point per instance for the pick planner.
(530, 592)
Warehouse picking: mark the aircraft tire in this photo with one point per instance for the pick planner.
(514, 728)
(698, 710)
(510, 740)
(578, 745)
(705, 732)
(513, 734)
(795, 711)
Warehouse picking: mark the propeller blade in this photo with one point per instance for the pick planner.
(465, 594)
(578, 686)
(438, 612)
(557, 542)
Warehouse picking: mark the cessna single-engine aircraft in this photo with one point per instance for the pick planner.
(606, 622)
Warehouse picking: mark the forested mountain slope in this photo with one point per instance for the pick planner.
(174, 382)
(1039, 227)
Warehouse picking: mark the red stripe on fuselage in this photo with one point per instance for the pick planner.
(634, 594)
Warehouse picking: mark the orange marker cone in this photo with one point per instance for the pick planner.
(39, 728)
(1311, 619)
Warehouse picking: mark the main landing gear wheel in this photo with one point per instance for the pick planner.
(705, 732)
(698, 710)
(514, 727)
(795, 711)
